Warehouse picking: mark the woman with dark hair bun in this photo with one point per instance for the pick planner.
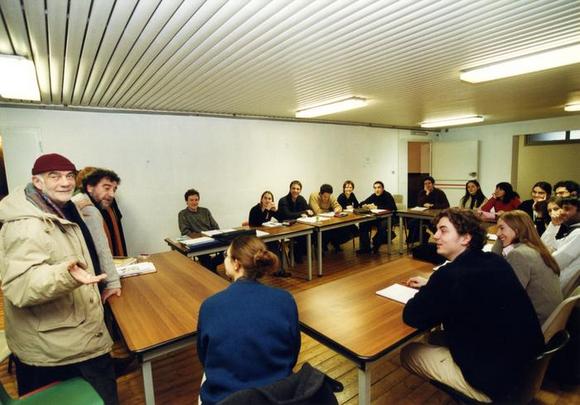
(537, 206)
(473, 197)
(248, 334)
(503, 199)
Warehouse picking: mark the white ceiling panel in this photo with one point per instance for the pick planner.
(270, 58)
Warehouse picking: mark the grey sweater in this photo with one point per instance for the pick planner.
(198, 221)
(539, 281)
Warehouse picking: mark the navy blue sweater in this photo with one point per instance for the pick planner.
(248, 336)
(490, 324)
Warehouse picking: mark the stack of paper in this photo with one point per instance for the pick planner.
(136, 269)
(202, 240)
(327, 214)
(418, 209)
(378, 211)
(398, 292)
(271, 224)
(216, 232)
(312, 220)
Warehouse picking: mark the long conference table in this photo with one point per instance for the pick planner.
(348, 316)
(158, 312)
(272, 234)
(350, 219)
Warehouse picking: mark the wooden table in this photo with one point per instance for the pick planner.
(274, 234)
(350, 219)
(347, 316)
(158, 312)
(426, 215)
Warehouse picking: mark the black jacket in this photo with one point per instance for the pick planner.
(490, 324)
(288, 209)
(258, 217)
(384, 201)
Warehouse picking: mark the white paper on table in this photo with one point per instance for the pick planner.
(216, 232)
(260, 233)
(398, 292)
(197, 241)
(136, 269)
(312, 220)
(377, 211)
(327, 214)
(418, 209)
(271, 224)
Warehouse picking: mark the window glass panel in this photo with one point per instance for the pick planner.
(548, 136)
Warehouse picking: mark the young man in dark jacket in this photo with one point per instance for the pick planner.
(491, 331)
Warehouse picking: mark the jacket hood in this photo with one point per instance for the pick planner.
(15, 206)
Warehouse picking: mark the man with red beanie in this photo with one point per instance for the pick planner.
(52, 305)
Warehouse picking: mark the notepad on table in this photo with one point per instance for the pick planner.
(418, 209)
(398, 292)
(202, 240)
(378, 211)
(136, 269)
(312, 220)
(216, 232)
(271, 224)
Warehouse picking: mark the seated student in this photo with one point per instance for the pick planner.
(198, 219)
(519, 243)
(248, 335)
(381, 199)
(291, 207)
(430, 197)
(324, 201)
(566, 188)
(347, 199)
(554, 211)
(567, 253)
(536, 207)
(503, 199)
(473, 197)
(490, 327)
(264, 211)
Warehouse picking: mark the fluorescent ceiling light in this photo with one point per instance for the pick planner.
(534, 62)
(331, 108)
(449, 122)
(572, 107)
(18, 78)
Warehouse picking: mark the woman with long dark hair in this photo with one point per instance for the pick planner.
(537, 207)
(503, 199)
(473, 197)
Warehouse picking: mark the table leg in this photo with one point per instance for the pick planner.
(389, 234)
(292, 264)
(402, 236)
(148, 383)
(309, 255)
(319, 253)
(364, 386)
(420, 232)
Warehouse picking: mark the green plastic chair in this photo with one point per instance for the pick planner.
(70, 392)
(74, 391)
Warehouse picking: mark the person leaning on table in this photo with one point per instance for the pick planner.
(491, 330)
(248, 335)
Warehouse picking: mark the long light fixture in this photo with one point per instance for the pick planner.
(331, 108)
(18, 78)
(534, 62)
(449, 122)
(572, 107)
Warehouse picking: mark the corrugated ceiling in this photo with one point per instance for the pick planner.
(271, 58)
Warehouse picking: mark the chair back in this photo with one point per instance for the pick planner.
(534, 374)
(559, 317)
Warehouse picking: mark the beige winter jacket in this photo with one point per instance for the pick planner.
(51, 319)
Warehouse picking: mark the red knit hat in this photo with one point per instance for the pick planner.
(52, 162)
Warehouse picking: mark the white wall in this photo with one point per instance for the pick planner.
(229, 161)
(495, 146)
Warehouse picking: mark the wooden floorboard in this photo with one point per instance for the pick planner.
(177, 376)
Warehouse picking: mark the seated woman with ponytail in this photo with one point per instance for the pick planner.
(248, 334)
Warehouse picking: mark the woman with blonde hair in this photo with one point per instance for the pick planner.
(519, 242)
(248, 334)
